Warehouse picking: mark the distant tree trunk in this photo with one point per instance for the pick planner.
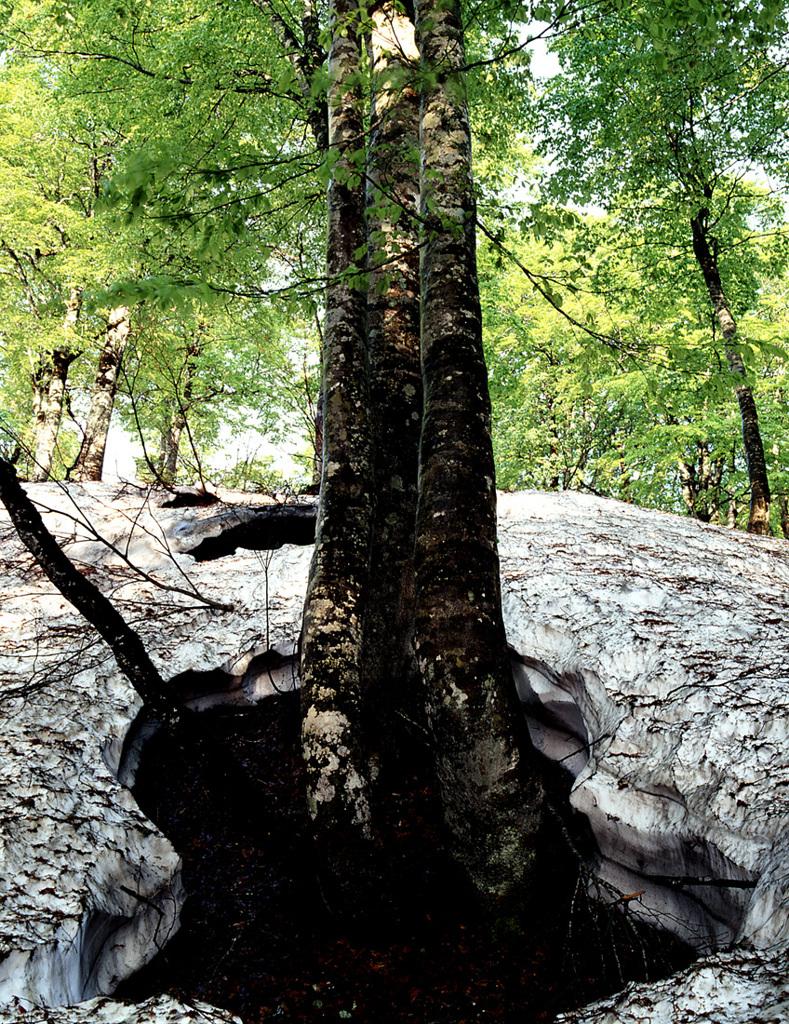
(170, 447)
(759, 517)
(337, 778)
(40, 380)
(701, 486)
(491, 798)
(174, 430)
(687, 476)
(317, 445)
(390, 670)
(49, 386)
(90, 460)
(307, 58)
(554, 441)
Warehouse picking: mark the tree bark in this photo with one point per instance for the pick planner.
(50, 390)
(390, 671)
(173, 432)
(491, 797)
(337, 779)
(759, 516)
(90, 460)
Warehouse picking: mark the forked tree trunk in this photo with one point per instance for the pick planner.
(701, 485)
(491, 798)
(337, 780)
(759, 516)
(390, 672)
(90, 460)
(50, 391)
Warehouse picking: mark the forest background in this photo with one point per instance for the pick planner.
(162, 245)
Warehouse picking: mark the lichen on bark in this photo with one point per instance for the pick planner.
(332, 742)
(491, 794)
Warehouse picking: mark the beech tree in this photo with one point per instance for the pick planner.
(652, 115)
(408, 484)
(90, 459)
(233, 147)
(620, 391)
(55, 252)
(490, 794)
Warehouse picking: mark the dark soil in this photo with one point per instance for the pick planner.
(255, 937)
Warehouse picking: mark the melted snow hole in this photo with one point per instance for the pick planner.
(647, 853)
(261, 529)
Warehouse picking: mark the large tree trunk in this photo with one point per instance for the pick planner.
(336, 770)
(49, 387)
(90, 460)
(390, 671)
(491, 797)
(759, 517)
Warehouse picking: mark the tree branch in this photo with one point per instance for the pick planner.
(222, 771)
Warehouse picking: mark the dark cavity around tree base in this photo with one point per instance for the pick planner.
(255, 937)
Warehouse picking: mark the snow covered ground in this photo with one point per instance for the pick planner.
(650, 652)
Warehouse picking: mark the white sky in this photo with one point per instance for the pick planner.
(543, 64)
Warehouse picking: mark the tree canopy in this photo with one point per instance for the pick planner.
(204, 202)
(183, 147)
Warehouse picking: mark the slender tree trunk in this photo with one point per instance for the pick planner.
(171, 445)
(715, 480)
(126, 645)
(491, 797)
(317, 444)
(52, 391)
(90, 460)
(701, 486)
(759, 517)
(174, 431)
(336, 770)
(306, 57)
(40, 380)
(390, 671)
(223, 773)
(49, 411)
(687, 476)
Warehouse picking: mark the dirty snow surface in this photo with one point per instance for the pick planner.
(653, 654)
(89, 889)
(650, 652)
